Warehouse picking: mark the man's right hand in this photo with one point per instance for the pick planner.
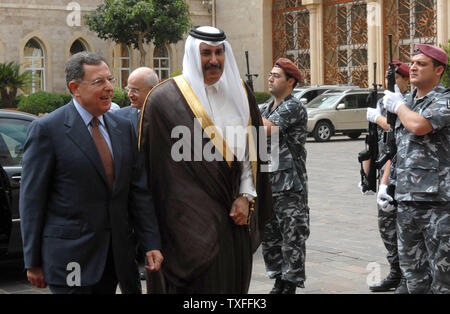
(368, 192)
(36, 277)
(384, 199)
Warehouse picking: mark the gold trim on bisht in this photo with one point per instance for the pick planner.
(251, 143)
(201, 114)
(142, 112)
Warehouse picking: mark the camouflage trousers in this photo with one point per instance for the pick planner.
(424, 245)
(283, 244)
(387, 225)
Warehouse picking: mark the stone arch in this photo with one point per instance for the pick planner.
(47, 53)
(73, 39)
(161, 61)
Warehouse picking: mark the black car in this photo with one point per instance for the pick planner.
(13, 131)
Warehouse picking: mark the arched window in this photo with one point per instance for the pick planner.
(121, 64)
(77, 46)
(34, 60)
(161, 62)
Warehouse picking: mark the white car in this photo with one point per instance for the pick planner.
(307, 93)
(339, 112)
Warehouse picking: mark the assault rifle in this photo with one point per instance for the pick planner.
(249, 76)
(370, 153)
(390, 148)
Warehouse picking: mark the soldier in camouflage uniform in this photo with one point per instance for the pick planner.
(387, 211)
(286, 233)
(422, 173)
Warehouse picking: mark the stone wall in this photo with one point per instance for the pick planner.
(248, 29)
(55, 26)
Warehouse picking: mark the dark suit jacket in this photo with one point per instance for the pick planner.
(68, 211)
(129, 113)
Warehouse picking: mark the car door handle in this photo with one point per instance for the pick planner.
(16, 178)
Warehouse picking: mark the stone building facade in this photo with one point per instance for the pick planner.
(332, 41)
(42, 34)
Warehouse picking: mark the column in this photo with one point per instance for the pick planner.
(266, 61)
(375, 40)
(315, 40)
(442, 24)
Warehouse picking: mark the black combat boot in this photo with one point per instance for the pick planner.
(402, 288)
(391, 282)
(278, 286)
(289, 287)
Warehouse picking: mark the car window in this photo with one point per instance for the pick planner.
(323, 101)
(350, 101)
(299, 93)
(362, 101)
(13, 133)
(310, 95)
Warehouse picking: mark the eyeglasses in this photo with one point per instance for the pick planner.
(274, 75)
(133, 90)
(101, 81)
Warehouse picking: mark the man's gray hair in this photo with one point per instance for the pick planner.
(151, 79)
(74, 66)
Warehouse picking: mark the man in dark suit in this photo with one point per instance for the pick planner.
(140, 82)
(84, 191)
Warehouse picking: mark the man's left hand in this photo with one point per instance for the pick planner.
(372, 114)
(239, 211)
(154, 260)
(392, 101)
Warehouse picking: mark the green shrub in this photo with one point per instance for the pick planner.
(446, 77)
(262, 97)
(121, 97)
(66, 97)
(176, 73)
(41, 102)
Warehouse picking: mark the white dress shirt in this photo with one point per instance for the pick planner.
(87, 118)
(230, 124)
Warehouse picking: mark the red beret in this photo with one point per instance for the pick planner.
(289, 68)
(433, 52)
(401, 68)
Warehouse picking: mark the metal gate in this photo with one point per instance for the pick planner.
(290, 29)
(409, 22)
(345, 42)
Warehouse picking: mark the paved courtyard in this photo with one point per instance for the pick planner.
(344, 243)
(344, 248)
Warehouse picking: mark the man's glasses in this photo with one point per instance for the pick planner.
(101, 81)
(274, 75)
(133, 90)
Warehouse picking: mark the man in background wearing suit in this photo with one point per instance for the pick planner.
(83, 192)
(140, 82)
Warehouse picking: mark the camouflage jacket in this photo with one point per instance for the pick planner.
(381, 131)
(291, 117)
(422, 165)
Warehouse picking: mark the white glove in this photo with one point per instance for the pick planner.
(392, 101)
(383, 199)
(368, 192)
(373, 114)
